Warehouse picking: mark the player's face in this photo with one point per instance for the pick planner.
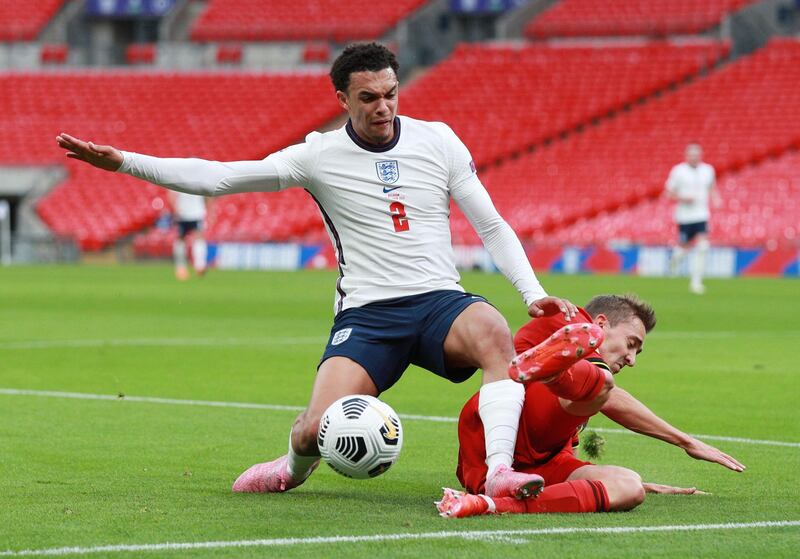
(371, 102)
(694, 154)
(622, 342)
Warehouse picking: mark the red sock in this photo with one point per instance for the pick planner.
(580, 383)
(581, 495)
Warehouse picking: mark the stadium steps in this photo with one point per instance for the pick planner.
(498, 138)
(760, 205)
(742, 113)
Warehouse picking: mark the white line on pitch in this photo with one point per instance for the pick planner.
(724, 334)
(278, 407)
(487, 535)
(162, 342)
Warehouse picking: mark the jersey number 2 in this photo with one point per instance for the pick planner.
(399, 217)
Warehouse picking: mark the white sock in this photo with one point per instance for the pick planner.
(300, 467)
(179, 252)
(199, 251)
(499, 406)
(698, 263)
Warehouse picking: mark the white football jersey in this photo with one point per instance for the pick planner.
(386, 207)
(694, 182)
(189, 207)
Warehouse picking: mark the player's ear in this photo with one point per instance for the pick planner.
(601, 320)
(341, 96)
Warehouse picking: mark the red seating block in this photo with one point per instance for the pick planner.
(140, 53)
(573, 18)
(532, 93)
(23, 21)
(211, 115)
(54, 54)
(230, 53)
(288, 20)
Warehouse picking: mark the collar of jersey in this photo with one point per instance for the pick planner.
(375, 148)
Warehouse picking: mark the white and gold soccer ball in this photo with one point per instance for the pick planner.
(359, 436)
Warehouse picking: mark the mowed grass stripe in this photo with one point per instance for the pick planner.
(310, 340)
(280, 407)
(481, 535)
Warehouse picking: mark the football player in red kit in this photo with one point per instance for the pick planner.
(608, 333)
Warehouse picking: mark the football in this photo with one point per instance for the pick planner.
(360, 437)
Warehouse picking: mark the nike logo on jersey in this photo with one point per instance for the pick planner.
(386, 189)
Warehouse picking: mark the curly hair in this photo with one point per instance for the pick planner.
(619, 308)
(361, 57)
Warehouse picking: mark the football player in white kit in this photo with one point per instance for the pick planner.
(189, 215)
(691, 184)
(383, 184)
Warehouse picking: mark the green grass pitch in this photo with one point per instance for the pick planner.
(90, 473)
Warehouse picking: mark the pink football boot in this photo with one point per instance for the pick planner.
(557, 353)
(268, 477)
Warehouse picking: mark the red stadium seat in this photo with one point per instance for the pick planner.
(54, 54)
(230, 53)
(140, 53)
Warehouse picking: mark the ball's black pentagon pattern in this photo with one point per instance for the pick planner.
(352, 447)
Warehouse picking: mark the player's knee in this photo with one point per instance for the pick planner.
(629, 491)
(493, 335)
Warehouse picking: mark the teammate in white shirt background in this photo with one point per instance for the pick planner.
(383, 184)
(189, 215)
(691, 184)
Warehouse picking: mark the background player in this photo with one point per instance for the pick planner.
(691, 184)
(558, 406)
(383, 184)
(189, 213)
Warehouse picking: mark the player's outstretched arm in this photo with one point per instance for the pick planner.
(190, 175)
(629, 412)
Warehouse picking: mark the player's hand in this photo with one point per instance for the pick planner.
(702, 451)
(670, 490)
(102, 157)
(548, 306)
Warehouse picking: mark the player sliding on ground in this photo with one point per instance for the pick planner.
(558, 404)
(383, 184)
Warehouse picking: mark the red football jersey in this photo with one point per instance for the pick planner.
(545, 429)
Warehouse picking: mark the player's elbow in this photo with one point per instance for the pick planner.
(605, 391)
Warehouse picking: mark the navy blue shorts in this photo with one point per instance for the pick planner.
(386, 337)
(186, 227)
(688, 231)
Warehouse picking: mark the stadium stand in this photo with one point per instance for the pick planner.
(220, 116)
(587, 18)
(23, 21)
(761, 204)
(289, 20)
(741, 114)
(527, 94)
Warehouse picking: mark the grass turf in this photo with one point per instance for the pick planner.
(88, 473)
